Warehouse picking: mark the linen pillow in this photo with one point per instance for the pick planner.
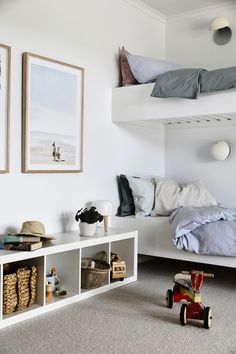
(143, 194)
(126, 207)
(126, 74)
(169, 195)
(147, 69)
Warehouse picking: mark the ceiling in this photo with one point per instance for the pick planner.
(174, 7)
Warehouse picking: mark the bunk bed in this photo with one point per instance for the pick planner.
(133, 105)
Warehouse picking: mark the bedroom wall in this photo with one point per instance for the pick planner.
(88, 34)
(188, 159)
(190, 43)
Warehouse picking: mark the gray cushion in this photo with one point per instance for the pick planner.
(143, 194)
(126, 206)
(217, 80)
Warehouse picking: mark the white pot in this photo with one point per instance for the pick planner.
(87, 229)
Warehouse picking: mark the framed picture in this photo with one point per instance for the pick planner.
(52, 115)
(5, 73)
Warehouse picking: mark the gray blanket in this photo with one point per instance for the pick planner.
(188, 83)
(205, 230)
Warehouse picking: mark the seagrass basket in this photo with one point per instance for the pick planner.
(19, 289)
(97, 276)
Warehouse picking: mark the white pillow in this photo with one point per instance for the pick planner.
(147, 69)
(143, 194)
(169, 196)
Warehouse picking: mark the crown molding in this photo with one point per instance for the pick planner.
(148, 10)
(213, 10)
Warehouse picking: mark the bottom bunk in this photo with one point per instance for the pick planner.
(154, 239)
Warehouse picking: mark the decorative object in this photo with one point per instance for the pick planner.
(222, 31)
(118, 267)
(5, 70)
(53, 279)
(48, 292)
(19, 289)
(52, 115)
(105, 208)
(88, 220)
(220, 150)
(95, 276)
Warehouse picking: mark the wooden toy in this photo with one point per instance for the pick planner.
(118, 267)
(187, 287)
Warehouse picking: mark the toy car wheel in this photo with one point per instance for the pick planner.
(207, 317)
(183, 315)
(169, 298)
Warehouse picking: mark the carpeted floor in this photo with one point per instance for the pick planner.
(133, 319)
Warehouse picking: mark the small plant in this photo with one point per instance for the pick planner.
(90, 216)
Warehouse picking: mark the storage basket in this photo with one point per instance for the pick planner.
(10, 297)
(94, 277)
(19, 289)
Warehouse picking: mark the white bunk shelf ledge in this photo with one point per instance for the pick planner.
(65, 255)
(133, 105)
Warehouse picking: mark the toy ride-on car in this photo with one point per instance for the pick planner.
(187, 287)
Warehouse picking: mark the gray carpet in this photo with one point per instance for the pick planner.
(133, 319)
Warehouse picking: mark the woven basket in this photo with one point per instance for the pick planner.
(19, 289)
(94, 277)
(10, 297)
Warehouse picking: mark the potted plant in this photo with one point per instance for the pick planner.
(88, 219)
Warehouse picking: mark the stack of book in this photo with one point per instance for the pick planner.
(22, 243)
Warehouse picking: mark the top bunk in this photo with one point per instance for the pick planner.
(134, 105)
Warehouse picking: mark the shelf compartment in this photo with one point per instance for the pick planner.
(67, 265)
(93, 252)
(11, 267)
(124, 249)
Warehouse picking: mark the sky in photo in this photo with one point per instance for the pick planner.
(54, 100)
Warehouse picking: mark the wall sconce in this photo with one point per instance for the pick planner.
(220, 150)
(222, 31)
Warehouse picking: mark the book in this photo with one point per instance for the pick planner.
(22, 246)
(17, 239)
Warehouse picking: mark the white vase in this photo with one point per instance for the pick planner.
(87, 229)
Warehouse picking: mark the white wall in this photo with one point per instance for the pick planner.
(190, 43)
(188, 159)
(88, 34)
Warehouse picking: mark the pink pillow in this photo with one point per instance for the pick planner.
(126, 74)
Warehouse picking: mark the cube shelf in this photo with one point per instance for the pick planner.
(65, 254)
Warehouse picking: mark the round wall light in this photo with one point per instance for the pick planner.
(220, 150)
(222, 31)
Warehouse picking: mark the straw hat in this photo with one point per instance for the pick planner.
(34, 228)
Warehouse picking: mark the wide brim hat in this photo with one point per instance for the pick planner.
(33, 228)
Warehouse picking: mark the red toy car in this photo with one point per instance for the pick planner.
(187, 287)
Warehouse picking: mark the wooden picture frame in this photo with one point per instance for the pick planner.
(5, 88)
(53, 95)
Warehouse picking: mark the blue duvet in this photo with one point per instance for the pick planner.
(205, 230)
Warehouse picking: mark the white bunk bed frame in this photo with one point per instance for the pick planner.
(154, 239)
(133, 105)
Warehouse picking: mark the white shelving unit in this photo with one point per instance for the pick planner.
(65, 254)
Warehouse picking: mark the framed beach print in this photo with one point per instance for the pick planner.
(5, 73)
(52, 115)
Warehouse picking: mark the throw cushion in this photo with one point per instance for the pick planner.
(169, 195)
(126, 207)
(126, 74)
(143, 194)
(147, 69)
